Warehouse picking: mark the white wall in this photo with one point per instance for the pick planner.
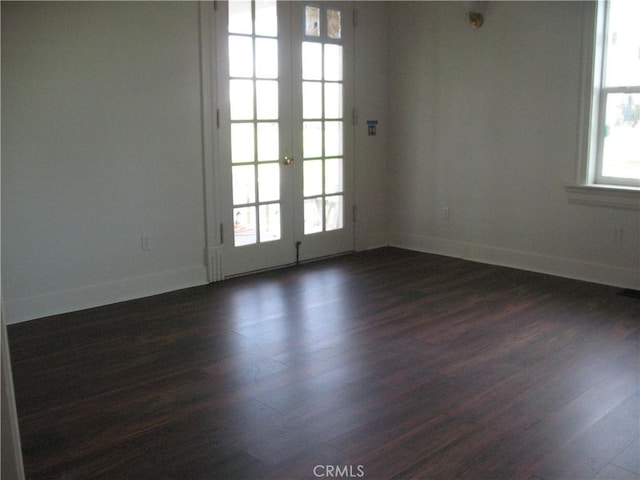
(484, 122)
(101, 144)
(372, 84)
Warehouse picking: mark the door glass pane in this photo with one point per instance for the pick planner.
(333, 139)
(266, 100)
(333, 63)
(241, 99)
(333, 175)
(311, 61)
(312, 21)
(266, 18)
(334, 24)
(240, 56)
(311, 100)
(333, 100)
(269, 182)
(333, 212)
(312, 178)
(312, 139)
(244, 226)
(266, 58)
(244, 184)
(240, 17)
(269, 222)
(313, 215)
(268, 142)
(242, 142)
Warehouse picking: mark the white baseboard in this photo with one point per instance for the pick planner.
(558, 266)
(29, 308)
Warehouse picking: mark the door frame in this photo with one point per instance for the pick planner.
(215, 234)
(210, 141)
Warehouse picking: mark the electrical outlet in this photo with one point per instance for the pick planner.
(145, 243)
(445, 213)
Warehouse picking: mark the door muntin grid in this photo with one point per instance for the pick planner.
(322, 118)
(255, 121)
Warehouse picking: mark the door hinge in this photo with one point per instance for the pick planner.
(218, 118)
(215, 5)
(354, 117)
(355, 17)
(354, 214)
(221, 233)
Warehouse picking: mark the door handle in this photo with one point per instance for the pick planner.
(287, 160)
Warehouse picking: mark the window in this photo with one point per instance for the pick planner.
(608, 162)
(615, 113)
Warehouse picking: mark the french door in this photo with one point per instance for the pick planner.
(285, 145)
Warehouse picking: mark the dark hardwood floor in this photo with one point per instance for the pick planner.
(386, 364)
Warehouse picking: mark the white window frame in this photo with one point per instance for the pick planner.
(589, 186)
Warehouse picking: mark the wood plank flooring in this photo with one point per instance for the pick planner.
(386, 364)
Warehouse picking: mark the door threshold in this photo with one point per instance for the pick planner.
(288, 265)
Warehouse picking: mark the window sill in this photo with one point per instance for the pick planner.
(604, 196)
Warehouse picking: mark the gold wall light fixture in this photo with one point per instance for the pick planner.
(475, 11)
(476, 19)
